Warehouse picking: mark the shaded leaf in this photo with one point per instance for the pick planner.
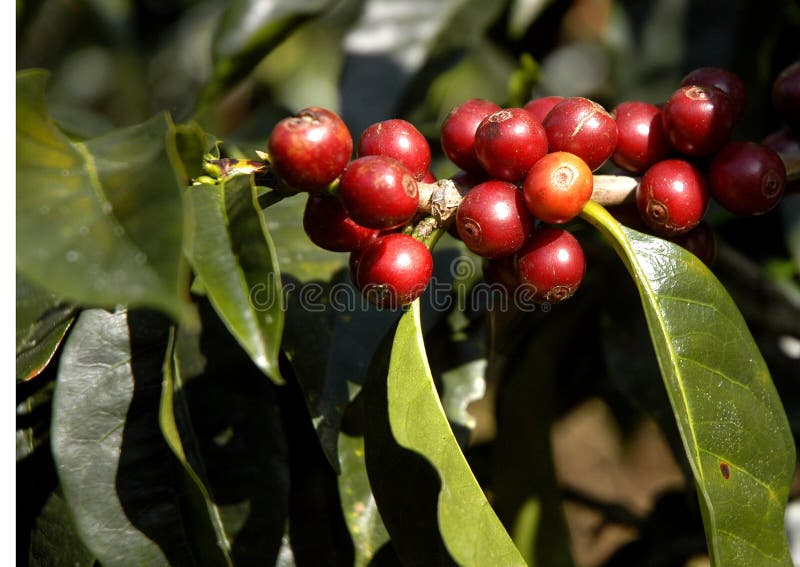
(42, 322)
(232, 253)
(33, 414)
(193, 483)
(117, 473)
(112, 207)
(523, 14)
(468, 525)
(391, 43)
(737, 440)
(251, 28)
(229, 419)
(358, 503)
(55, 540)
(526, 494)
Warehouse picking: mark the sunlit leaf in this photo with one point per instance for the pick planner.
(119, 477)
(231, 251)
(732, 423)
(112, 207)
(469, 527)
(358, 503)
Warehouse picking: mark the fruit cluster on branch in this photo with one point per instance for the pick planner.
(527, 171)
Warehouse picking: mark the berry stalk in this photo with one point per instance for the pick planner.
(441, 199)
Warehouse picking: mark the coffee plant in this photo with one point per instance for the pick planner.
(319, 283)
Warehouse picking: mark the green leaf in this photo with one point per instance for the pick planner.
(54, 539)
(112, 207)
(358, 503)
(42, 322)
(34, 401)
(469, 527)
(119, 477)
(231, 251)
(251, 28)
(193, 485)
(790, 215)
(733, 426)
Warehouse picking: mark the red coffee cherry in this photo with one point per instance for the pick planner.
(378, 192)
(541, 107)
(394, 270)
(698, 121)
(508, 142)
(726, 81)
(328, 226)
(492, 219)
(429, 177)
(786, 94)
(310, 149)
(672, 197)
(641, 141)
(582, 127)
(552, 262)
(557, 187)
(747, 178)
(458, 132)
(400, 140)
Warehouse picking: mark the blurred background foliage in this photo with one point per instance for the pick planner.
(238, 66)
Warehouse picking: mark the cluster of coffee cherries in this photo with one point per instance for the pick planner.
(525, 172)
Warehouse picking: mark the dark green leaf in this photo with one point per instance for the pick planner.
(42, 322)
(55, 539)
(468, 525)
(527, 497)
(251, 28)
(229, 421)
(232, 253)
(358, 503)
(733, 426)
(118, 475)
(112, 207)
(192, 481)
(34, 400)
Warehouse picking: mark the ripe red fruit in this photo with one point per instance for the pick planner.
(698, 121)
(310, 149)
(328, 226)
(747, 178)
(557, 187)
(378, 192)
(641, 141)
(400, 140)
(672, 197)
(541, 107)
(786, 94)
(458, 132)
(726, 81)
(508, 142)
(582, 127)
(394, 270)
(492, 219)
(552, 262)
(429, 177)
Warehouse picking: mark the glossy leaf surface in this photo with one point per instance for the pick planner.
(232, 252)
(112, 207)
(731, 420)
